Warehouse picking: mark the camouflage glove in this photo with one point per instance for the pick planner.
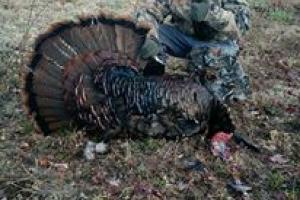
(199, 11)
(151, 48)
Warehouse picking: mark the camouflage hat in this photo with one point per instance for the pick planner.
(222, 73)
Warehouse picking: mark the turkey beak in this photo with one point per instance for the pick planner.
(240, 139)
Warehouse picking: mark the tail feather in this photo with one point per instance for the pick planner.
(121, 38)
(51, 112)
(44, 102)
(50, 68)
(43, 77)
(57, 50)
(108, 36)
(46, 91)
(56, 126)
(69, 50)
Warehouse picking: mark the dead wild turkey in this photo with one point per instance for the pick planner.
(88, 74)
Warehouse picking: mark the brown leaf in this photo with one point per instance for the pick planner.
(24, 145)
(279, 159)
(44, 162)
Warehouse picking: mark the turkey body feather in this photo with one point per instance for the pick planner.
(89, 74)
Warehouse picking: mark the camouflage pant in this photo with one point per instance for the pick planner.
(224, 76)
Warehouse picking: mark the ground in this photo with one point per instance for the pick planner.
(37, 167)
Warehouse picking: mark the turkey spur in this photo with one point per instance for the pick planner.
(87, 74)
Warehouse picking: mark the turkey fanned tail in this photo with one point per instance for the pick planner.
(67, 51)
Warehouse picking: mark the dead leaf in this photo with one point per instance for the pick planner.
(238, 186)
(44, 162)
(60, 166)
(114, 182)
(24, 145)
(279, 159)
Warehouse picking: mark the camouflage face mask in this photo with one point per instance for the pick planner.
(229, 84)
(220, 71)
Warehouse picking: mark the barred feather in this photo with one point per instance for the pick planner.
(126, 94)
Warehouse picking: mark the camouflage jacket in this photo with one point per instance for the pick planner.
(226, 18)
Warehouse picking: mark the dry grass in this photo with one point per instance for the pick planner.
(151, 168)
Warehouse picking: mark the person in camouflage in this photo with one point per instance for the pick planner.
(207, 33)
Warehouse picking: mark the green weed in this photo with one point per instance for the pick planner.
(282, 16)
(27, 127)
(275, 180)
